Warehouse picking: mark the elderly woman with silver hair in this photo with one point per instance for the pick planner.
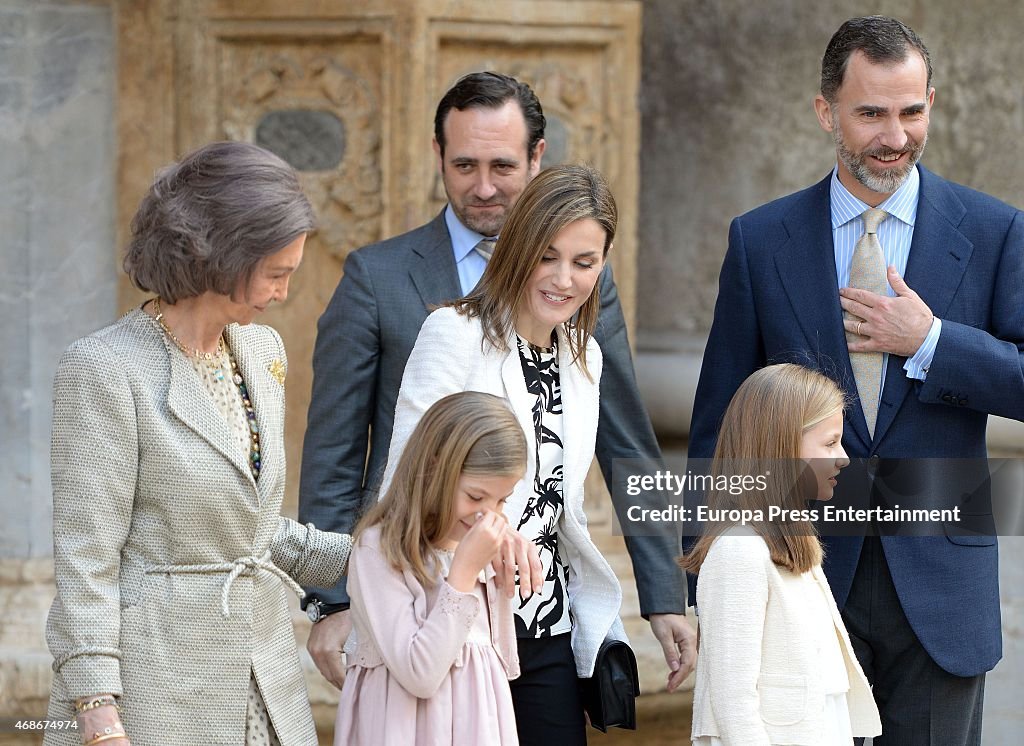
(171, 623)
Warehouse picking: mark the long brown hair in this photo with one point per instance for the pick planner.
(559, 196)
(465, 433)
(762, 431)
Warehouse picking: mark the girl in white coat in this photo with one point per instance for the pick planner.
(775, 664)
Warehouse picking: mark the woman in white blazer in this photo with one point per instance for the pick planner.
(171, 623)
(775, 664)
(524, 334)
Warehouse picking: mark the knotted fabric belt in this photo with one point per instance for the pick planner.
(241, 566)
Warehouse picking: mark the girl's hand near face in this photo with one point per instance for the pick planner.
(476, 550)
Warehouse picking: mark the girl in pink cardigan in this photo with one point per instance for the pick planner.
(434, 644)
(774, 663)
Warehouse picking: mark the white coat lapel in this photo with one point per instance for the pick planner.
(578, 420)
(522, 402)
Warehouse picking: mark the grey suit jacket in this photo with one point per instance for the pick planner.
(364, 339)
(157, 524)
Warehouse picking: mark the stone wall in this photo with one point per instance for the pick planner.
(727, 124)
(58, 281)
(56, 219)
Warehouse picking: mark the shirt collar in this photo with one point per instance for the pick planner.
(901, 204)
(463, 239)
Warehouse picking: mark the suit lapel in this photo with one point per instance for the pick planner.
(806, 264)
(434, 274)
(938, 257)
(191, 403)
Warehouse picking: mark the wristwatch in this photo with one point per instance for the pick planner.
(317, 610)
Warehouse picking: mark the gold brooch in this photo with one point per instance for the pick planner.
(276, 369)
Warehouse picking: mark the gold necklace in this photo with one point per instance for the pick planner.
(208, 357)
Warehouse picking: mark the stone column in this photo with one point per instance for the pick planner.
(58, 283)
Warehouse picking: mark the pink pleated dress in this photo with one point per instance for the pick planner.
(426, 666)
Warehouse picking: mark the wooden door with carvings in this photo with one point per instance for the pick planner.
(346, 93)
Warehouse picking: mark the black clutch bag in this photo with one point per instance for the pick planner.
(609, 696)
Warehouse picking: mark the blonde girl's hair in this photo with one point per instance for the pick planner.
(761, 432)
(465, 433)
(557, 197)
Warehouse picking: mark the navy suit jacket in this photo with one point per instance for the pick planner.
(778, 302)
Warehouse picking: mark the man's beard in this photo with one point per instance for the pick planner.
(485, 225)
(888, 181)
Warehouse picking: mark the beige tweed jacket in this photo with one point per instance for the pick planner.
(169, 557)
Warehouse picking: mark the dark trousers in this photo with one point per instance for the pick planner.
(920, 703)
(546, 696)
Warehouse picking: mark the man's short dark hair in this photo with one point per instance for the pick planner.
(883, 40)
(490, 90)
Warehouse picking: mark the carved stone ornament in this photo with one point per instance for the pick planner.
(309, 140)
(324, 119)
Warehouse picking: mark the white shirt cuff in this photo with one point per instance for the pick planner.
(917, 366)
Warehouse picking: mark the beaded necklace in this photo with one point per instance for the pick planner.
(250, 415)
(255, 458)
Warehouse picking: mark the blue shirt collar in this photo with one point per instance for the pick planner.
(463, 239)
(901, 204)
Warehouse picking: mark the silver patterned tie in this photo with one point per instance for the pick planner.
(867, 272)
(485, 248)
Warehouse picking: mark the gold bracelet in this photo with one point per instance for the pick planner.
(92, 704)
(111, 731)
(104, 737)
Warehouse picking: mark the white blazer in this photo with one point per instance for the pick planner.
(759, 680)
(451, 355)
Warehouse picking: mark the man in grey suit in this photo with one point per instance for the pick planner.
(488, 139)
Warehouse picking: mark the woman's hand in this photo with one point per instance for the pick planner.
(476, 550)
(101, 726)
(518, 554)
(679, 644)
(327, 643)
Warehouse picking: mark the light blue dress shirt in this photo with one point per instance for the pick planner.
(895, 235)
(469, 264)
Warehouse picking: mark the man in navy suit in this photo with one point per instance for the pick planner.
(948, 334)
